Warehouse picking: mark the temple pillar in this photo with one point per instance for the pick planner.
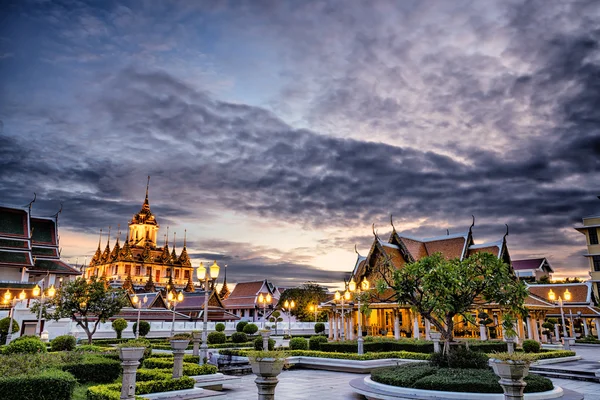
(543, 338)
(416, 333)
(427, 329)
(520, 329)
(597, 321)
(330, 320)
(335, 327)
(351, 325)
(586, 330)
(534, 328)
(529, 329)
(396, 324)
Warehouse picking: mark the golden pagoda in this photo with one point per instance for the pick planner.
(140, 262)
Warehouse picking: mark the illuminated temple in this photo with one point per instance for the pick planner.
(140, 264)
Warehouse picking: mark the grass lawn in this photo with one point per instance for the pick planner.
(80, 390)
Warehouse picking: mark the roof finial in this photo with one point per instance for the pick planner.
(107, 243)
(147, 186)
(167, 237)
(184, 237)
(392, 221)
(174, 236)
(100, 239)
(473, 224)
(506, 234)
(58, 212)
(31, 202)
(356, 250)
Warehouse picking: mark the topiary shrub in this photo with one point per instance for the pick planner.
(240, 326)
(319, 327)
(258, 344)
(63, 343)
(298, 343)
(460, 357)
(239, 337)
(314, 343)
(144, 328)
(26, 344)
(220, 327)
(250, 329)
(50, 384)
(216, 338)
(531, 346)
(119, 326)
(4, 322)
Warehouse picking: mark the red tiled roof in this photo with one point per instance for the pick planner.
(416, 249)
(579, 292)
(13, 222)
(532, 263)
(44, 231)
(491, 249)
(54, 266)
(154, 314)
(586, 311)
(246, 289)
(394, 255)
(450, 248)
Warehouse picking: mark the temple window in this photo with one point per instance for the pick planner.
(593, 234)
(596, 261)
(138, 270)
(127, 269)
(186, 274)
(176, 274)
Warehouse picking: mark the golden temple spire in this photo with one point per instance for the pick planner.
(147, 187)
(184, 237)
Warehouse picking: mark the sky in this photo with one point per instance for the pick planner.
(277, 132)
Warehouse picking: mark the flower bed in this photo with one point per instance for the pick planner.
(424, 376)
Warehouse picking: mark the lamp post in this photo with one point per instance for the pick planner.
(172, 300)
(562, 315)
(7, 298)
(264, 300)
(137, 303)
(364, 286)
(36, 292)
(314, 308)
(288, 305)
(339, 297)
(203, 276)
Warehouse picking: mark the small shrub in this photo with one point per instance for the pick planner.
(216, 338)
(220, 327)
(182, 336)
(4, 323)
(402, 376)
(119, 326)
(26, 344)
(258, 344)
(240, 326)
(63, 343)
(250, 329)
(144, 328)
(460, 357)
(319, 327)
(239, 337)
(314, 343)
(531, 346)
(50, 384)
(298, 343)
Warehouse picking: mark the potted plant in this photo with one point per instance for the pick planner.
(512, 368)
(266, 365)
(196, 338)
(180, 341)
(130, 353)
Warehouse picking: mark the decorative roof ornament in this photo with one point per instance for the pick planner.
(106, 255)
(472, 225)
(146, 254)
(392, 222)
(225, 292)
(125, 253)
(128, 284)
(173, 254)
(116, 251)
(184, 258)
(145, 216)
(506, 234)
(356, 250)
(149, 287)
(190, 285)
(98, 255)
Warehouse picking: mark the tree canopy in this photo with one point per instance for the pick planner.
(304, 296)
(439, 289)
(88, 303)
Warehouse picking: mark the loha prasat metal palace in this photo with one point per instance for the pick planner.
(389, 318)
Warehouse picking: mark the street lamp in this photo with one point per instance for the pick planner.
(562, 315)
(364, 286)
(137, 303)
(339, 297)
(314, 308)
(173, 300)
(7, 299)
(264, 300)
(288, 305)
(203, 275)
(36, 292)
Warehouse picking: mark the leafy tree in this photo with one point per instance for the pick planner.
(275, 318)
(144, 328)
(86, 303)
(4, 323)
(119, 325)
(304, 296)
(441, 289)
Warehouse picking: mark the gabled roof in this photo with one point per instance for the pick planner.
(54, 266)
(532, 264)
(14, 222)
(580, 292)
(43, 231)
(245, 294)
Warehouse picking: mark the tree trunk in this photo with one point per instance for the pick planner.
(448, 335)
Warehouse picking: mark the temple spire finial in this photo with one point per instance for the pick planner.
(392, 221)
(174, 239)
(472, 224)
(147, 187)
(184, 238)
(506, 234)
(100, 238)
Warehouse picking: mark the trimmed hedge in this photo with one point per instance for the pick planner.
(531, 346)
(250, 329)
(240, 326)
(319, 327)
(63, 343)
(551, 354)
(50, 384)
(488, 346)
(379, 346)
(94, 368)
(216, 338)
(113, 391)
(258, 344)
(314, 343)
(341, 356)
(298, 343)
(239, 337)
(186, 358)
(460, 357)
(220, 327)
(422, 376)
(144, 328)
(188, 368)
(26, 344)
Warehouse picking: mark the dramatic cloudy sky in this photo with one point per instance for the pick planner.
(277, 132)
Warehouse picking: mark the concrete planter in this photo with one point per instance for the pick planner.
(265, 338)
(196, 338)
(266, 371)
(178, 346)
(435, 337)
(130, 359)
(511, 375)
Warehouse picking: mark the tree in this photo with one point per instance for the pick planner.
(4, 323)
(441, 289)
(119, 325)
(275, 318)
(88, 303)
(144, 328)
(304, 296)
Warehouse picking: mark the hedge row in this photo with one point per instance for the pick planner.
(377, 347)
(94, 369)
(423, 376)
(113, 391)
(188, 368)
(342, 356)
(50, 384)
(187, 357)
(551, 354)
(227, 345)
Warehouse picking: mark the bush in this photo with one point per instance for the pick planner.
(216, 337)
(314, 343)
(403, 376)
(250, 329)
(380, 345)
(240, 326)
(298, 343)
(554, 354)
(460, 357)
(113, 391)
(94, 368)
(490, 346)
(220, 327)
(50, 384)
(4, 322)
(119, 326)
(144, 328)
(319, 327)
(63, 343)
(258, 344)
(239, 337)
(26, 344)
(531, 346)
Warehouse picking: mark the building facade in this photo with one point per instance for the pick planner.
(590, 228)
(533, 269)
